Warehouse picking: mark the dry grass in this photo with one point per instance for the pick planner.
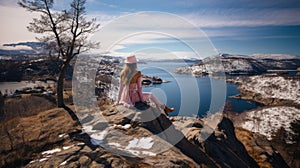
(25, 106)
(23, 138)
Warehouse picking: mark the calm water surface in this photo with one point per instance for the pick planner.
(172, 94)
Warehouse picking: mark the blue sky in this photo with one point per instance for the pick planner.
(233, 26)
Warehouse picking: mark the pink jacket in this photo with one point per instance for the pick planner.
(128, 95)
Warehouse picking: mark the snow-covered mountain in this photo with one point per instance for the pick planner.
(274, 56)
(242, 64)
(22, 50)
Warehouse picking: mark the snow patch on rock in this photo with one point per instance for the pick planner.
(142, 143)
(49, 152)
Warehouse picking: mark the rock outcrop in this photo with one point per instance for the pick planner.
(119, 137)
(260, 149)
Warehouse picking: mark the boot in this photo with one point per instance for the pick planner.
(167, 109)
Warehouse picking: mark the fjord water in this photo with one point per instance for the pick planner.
(171, 94)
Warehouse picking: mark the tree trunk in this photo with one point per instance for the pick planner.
(60, 92)
(1, 103)
(60, 86)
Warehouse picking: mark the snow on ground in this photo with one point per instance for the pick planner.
(268, 120)
(61, 135)
(126, 126)
(228, 65)
(237, 65)
(88, 128)
(274, 87)
(139, 146)
(142, 143)
(136, 146)
(257, 63)
(67, 147)
(148, 153)
(63, 163)
(49, 152)
(43, 159)
(97, 138)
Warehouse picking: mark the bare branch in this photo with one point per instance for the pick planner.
(65, 31)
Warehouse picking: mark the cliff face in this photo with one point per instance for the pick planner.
(119, 137)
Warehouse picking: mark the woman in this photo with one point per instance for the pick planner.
(130, 90)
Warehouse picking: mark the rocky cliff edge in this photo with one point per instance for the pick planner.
(119, 137)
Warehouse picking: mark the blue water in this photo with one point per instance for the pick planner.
(191, 96)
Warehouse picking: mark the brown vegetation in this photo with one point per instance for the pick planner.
(22, 138)
(25, 106)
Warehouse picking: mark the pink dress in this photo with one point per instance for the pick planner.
(132, 93)
(128, 95)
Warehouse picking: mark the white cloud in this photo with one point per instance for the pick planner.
(245, 17)
(13, 25)
(156, 30)
(207, 19)
(147, 38)
(103, 18)
(159, 28)
(18, 47)
(155, 53)
(138, 30)
(233, 17)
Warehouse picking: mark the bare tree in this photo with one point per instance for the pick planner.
(64, 32)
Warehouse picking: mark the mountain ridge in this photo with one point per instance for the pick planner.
(241, 64)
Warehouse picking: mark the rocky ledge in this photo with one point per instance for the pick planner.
(121, 137)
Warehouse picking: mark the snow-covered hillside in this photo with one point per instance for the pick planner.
(242, 64)
(272, 87)
(281, 90)
(267, 121)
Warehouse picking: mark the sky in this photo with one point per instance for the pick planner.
(178, 26)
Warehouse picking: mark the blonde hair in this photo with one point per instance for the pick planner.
(128, 72)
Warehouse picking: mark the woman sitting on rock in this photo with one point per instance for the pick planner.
(130, 89)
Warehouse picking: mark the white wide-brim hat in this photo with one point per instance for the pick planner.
(131, 59)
